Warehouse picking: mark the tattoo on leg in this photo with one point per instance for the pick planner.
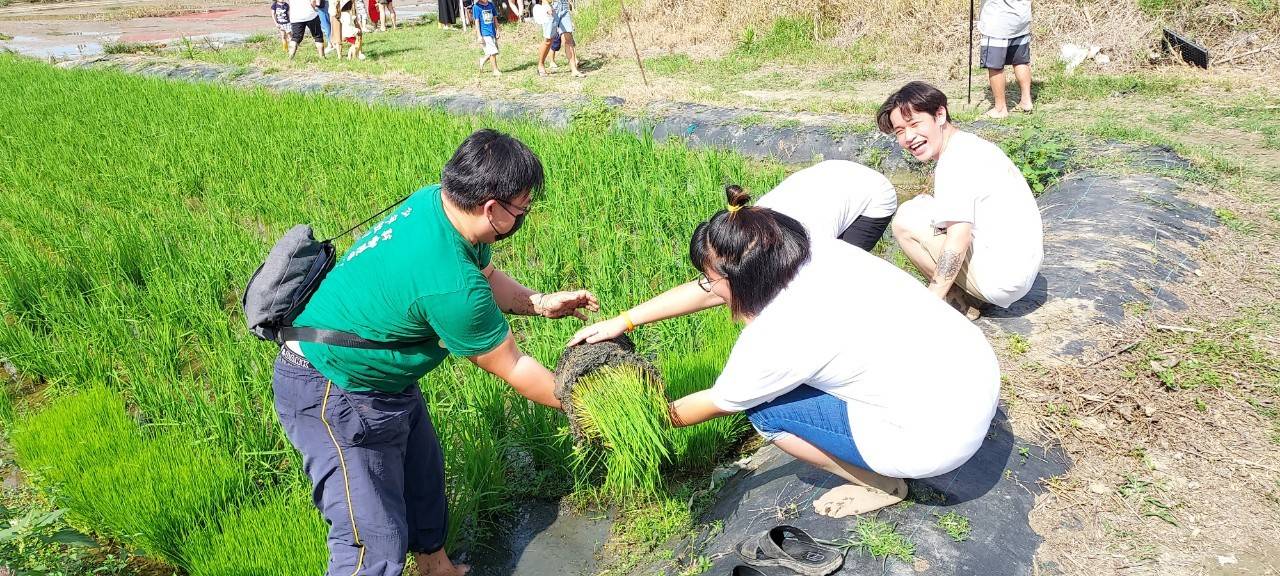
(948, 267)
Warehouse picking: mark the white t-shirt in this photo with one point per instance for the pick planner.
(975, 182)
(348, 22)
(541, 14)
(828, 196)
(920, 380)
(1005, 18)
(301, 11)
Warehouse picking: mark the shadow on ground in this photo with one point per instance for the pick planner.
(995, 490)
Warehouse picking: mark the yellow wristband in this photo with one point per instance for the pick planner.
(626, 317)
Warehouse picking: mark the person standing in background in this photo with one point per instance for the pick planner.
(280, 11)
(485, 13)
(1006, 41)
(447, 13)
(304, 18)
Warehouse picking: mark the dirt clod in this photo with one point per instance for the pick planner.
(584, 359)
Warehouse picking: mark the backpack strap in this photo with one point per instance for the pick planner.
(338, 338)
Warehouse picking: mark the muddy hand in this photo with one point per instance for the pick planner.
(598, 332)
(561, 304)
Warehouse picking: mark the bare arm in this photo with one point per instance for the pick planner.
(514, 298)
(524, 373)
(954, 250)
(684, 299)
(693, 409)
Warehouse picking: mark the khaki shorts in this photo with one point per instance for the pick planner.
(916, 214)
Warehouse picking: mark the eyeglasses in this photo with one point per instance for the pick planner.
(706, 283)
(523, 209)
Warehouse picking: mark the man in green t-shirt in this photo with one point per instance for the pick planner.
(421, 277)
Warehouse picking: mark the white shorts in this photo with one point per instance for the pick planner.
(490, 45)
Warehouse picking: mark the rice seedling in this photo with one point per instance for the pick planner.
(622, 412)
(150, 491)
(279, 536)
(699, 447)
(132, 211)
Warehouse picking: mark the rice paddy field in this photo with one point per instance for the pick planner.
(132, 212)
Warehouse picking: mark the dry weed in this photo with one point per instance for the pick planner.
(1169, 474)
(931, 36)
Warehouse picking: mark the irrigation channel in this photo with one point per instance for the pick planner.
(121, 271)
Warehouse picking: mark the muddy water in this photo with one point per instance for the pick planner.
(82, 28)
(542, 538)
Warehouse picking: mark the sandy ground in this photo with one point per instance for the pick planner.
(79, 28)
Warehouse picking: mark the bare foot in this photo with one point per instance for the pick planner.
(851, 499)
(998, 113)
(438, 564)
(1025, 106)
(963, 303)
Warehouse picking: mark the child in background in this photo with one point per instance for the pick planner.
(486, 14)
(387, 12)
(352, 33)
(280, 9)
(541, 16)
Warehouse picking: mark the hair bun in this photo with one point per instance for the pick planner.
(735, 195)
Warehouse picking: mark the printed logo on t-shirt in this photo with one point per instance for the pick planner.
(377, 235)
(281, 10)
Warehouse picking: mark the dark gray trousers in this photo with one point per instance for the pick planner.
(375, 465)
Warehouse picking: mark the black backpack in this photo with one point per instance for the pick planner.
(280, 288)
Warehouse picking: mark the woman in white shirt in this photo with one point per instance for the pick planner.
(821, 368)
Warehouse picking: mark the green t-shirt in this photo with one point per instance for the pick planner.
(411, 277)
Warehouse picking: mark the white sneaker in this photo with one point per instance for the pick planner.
(361, 56)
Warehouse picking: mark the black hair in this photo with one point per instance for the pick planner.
(757, 249)
(491, 165)
(914, 97)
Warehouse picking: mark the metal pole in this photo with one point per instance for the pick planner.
(627, 18)
(968, 97)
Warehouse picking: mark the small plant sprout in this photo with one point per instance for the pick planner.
(955, 525)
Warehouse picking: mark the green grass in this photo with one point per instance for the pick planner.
(1017, 344)
(955, 525)
(1040, 154)
(121, 263)
(877, 538)
(1061, 86)
(130, 48)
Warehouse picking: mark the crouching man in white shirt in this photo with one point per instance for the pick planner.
(978, 238)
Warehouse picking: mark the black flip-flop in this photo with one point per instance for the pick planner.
(742, 570)
(791, 548)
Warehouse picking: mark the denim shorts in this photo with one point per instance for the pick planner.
(560, 23)
(812, 415)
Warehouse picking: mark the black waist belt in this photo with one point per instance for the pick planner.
(291, 357)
